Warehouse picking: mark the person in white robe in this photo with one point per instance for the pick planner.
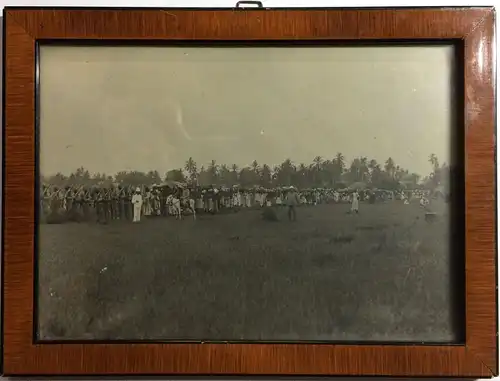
(279, 199)
(263, 199)
(355, 203)
(137, 204)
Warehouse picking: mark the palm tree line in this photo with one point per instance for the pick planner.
(321, 172)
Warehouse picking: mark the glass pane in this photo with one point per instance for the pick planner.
(248, 193)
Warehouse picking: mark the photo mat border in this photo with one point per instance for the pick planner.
(25, 27)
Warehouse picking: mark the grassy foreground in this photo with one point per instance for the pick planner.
(379, 275)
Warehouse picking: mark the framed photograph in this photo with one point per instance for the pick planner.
(259, 192)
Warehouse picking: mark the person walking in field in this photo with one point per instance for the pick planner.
(355, 203)
(292, 200)
(137, 205)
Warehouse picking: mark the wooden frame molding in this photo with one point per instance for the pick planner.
(472, 27)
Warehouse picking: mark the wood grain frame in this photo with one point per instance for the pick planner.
(472, 28)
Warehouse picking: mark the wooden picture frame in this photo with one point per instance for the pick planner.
(473, 31)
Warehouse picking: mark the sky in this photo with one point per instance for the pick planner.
(151, 108)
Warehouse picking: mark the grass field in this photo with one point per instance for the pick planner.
(379, 275)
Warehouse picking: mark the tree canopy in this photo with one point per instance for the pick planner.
(335, 172)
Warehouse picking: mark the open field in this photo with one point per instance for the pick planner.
(379, 275)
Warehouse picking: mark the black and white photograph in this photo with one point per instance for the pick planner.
(245, 193)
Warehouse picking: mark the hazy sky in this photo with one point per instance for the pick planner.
(129, 108)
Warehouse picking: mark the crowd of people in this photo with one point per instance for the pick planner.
(131, 203)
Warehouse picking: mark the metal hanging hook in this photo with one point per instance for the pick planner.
(249, 2)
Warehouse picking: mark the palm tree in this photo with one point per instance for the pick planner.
(302, 175)
(213, 170)
(355, 171)
(363, 168)
(328, 169)
(204, 177)
(372, 164)
(224, 174)
(389, 166)
(316, 166)
(302, 169)
(191, 169)
(340, 161)
(255, 167)
(376, 174)
(286, 171)
(265, 176)
(234, 174)
(276, 172)
(339, 166)
(317, 162)
(433, 159)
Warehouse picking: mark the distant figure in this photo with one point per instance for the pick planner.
(371, 197)
(292, 200)
(336, 196)
(147, 203)
(137, 203)
(423, 202)
(302, 199)
(278, 199)
(237, 199)
(355, 203)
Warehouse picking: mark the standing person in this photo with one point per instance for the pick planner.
(155, 201)
(108, 203)
(69, 199)
(85, 203)
(100, 206)
(206, 200)
(302, 198)
(128, 204)
(198, 199)
(217, 200)
(137, 203)
(55, 204)
(237, 199)
(292, 200)
(115, 203)
(122, 199)
(79, 200)
(355, 203)
(248, 199)
(279, 196)
(148, 198)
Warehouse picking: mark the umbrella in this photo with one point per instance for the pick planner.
(358, 185)
(173, 184)
(403, 184)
